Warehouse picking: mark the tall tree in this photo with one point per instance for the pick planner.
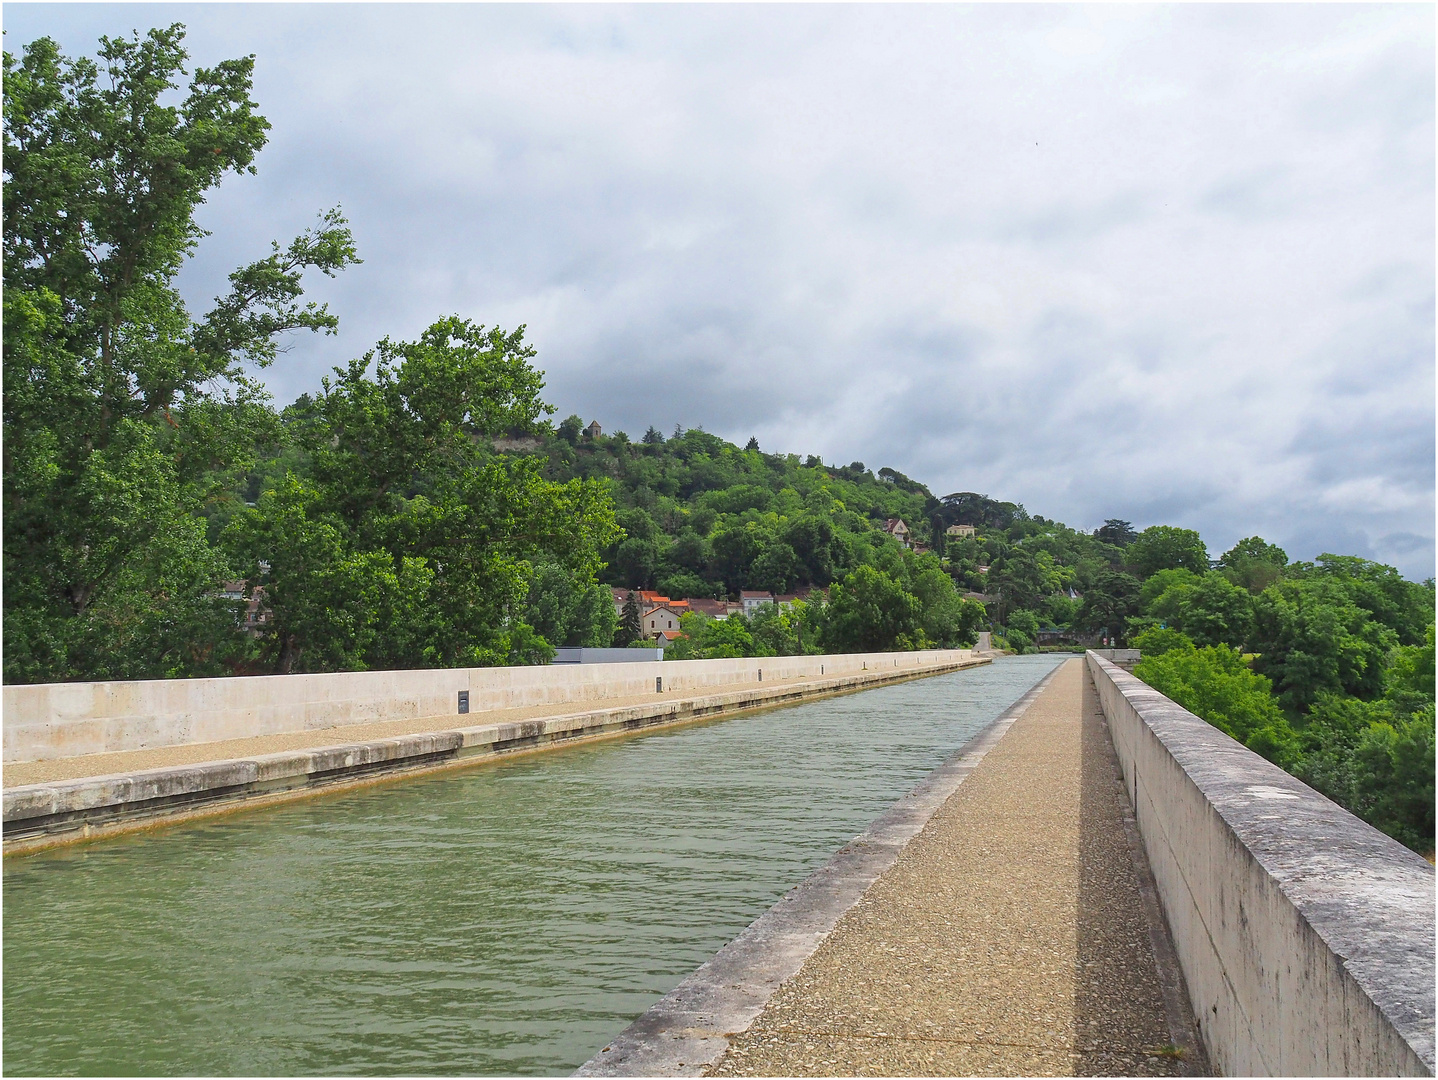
(123, 414)
(630, 624)
(1117, 532)
(1253, 563)
(435, 533)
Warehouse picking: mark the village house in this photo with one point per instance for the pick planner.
(658, 615)
(256, 614)
(752, 601)
(661, 620)
(896, 528)
(645, 598)
(958, 532)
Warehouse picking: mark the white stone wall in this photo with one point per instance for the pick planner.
(58, 720)
(1306, 936)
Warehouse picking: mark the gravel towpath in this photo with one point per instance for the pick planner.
(1016, 935)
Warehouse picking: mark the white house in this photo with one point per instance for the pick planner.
(660, 619)
(753, 601)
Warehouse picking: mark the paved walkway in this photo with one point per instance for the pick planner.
(1012, 937)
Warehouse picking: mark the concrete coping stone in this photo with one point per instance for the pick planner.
(688, 1029)
(1369, 898)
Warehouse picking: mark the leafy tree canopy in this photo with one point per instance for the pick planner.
(125, 416)
(1164, 547)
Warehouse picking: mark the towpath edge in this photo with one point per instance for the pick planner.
(688, 1029)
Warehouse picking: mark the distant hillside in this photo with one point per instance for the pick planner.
(704, 517)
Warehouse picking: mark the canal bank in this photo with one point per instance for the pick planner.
(85, 796)
(501, 920)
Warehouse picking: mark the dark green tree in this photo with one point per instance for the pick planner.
(1117, 532)
(970, 508)
(1210, 609)
(939, 539)
(870, 612)
(400, 469)
(1393, 786)
(1108, 603)
(1021, 629)
(1253, 563)
(1311, 639)
(776, 568)
(565, 611)
(1405, 607)
(630, 623)
(1020, 581)
(570, 427)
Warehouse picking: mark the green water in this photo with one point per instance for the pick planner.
(510, 918)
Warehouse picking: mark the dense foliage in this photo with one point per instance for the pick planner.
(1323, 668)
(703, 518)
(144, 465)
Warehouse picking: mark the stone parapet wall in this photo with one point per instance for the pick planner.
(1306, 936)
(58, 720)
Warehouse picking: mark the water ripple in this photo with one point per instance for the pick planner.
(506, 919)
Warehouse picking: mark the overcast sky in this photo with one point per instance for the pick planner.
(1173, 265)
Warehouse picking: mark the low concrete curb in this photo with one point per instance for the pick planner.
(688, 1029)
(43, 815)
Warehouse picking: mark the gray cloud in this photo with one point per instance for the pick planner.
(1167, 264)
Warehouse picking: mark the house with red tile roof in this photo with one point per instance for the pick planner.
(659, 619)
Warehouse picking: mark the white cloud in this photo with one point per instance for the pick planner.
(1171, 263)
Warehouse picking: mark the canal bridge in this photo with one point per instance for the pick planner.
(1095, 882)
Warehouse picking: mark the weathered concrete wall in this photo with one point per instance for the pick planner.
(42, 815)
(57, 720)
(1306, 936)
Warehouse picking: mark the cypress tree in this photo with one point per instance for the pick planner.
(630, 626)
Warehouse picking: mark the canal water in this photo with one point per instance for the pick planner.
(509, 918)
